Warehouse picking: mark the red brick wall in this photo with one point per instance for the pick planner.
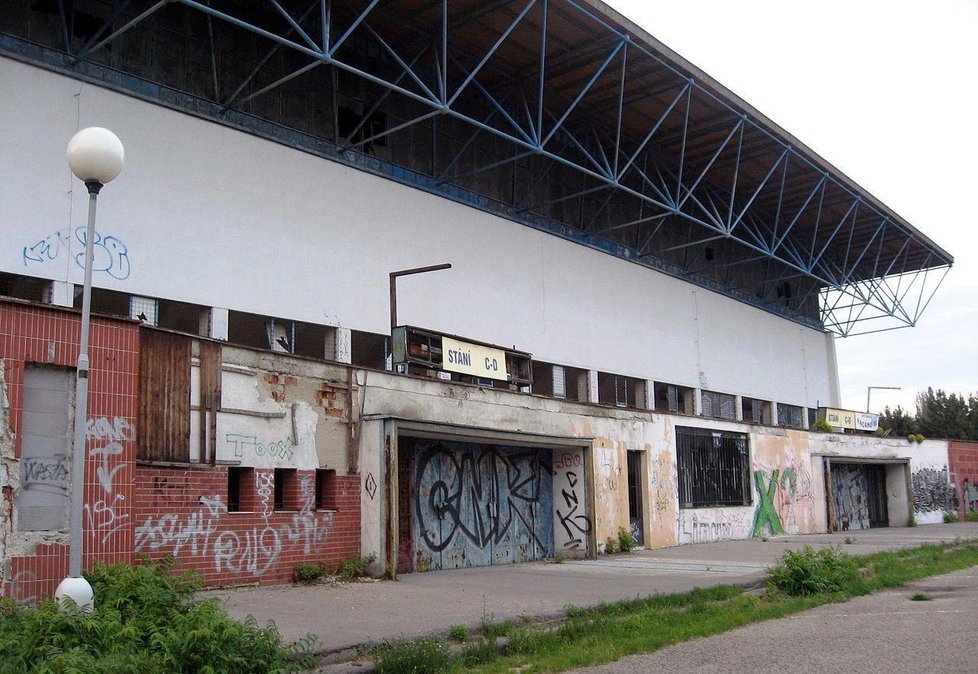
(183, 512)
(49, 336)
(151, 510)
(963, 466)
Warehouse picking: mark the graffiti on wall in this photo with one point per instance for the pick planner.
(249, 550)
(930, 489)
(248, 447)
(476, 498)
(44, 473)
(706, 527)
(785, 502)
(105, 438)
(110, 254)
(570, 512)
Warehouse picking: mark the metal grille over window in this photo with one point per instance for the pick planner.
(719, 405)
(712, 468)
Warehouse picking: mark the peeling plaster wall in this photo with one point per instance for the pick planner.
(8, 476)
(282, 412)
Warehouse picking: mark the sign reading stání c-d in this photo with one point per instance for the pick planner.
(472, 359)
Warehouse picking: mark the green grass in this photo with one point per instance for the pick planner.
(803, 580)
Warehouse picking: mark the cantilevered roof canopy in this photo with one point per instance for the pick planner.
(562, 115)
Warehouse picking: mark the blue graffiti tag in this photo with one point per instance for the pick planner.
(110, 255)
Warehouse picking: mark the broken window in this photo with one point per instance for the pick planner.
(673, 398)
(621, 391)
(756, 411)
(368, 349)
(280, 334)
(790, 416)
(718, 405)
(712, 468)
(25, 288)
(549, 380)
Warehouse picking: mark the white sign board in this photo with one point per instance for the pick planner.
(472, 359)
(867, 422)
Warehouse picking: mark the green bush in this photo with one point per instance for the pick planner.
(950, 518)
(355, 566)
(458, 632)
(145, 621)
(972, 515)
(308, 573)
(805, 572)
(611, 546)
(417, 656)
(625, 540)
(822, 426)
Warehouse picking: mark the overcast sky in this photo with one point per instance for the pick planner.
(888, 93)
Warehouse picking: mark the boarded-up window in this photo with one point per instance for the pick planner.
(164, 396)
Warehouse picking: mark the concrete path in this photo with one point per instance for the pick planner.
(886, 632)
(352, 614)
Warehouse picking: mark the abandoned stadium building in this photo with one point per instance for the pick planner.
(635, 335)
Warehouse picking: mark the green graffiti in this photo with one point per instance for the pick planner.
(766, 515)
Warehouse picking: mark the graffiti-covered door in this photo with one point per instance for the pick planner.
(859, 496)
(480, 505)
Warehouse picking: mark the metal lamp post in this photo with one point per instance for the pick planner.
(95, 156)
(870, 389)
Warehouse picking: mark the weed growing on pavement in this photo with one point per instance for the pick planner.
(608, 632)
(920, 596)
(146, 620)
(426, 655)
(625, 540)
(458, 632)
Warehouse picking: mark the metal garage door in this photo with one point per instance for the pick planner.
(479, 505)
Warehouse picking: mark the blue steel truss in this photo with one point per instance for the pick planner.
(665, 168)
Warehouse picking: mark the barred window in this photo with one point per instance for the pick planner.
(713, 468)
(790, 416)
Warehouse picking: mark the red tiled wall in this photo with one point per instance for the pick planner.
(963, 465)
(49, 336)
(183, 512)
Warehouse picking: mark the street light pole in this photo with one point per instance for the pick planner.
(95, 156)
(869, 392)
(407, 272)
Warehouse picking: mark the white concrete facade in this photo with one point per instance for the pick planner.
(209, 215)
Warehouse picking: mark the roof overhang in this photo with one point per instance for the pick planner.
(597, 131)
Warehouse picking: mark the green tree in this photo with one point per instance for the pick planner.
(942, 415)
(897, 422)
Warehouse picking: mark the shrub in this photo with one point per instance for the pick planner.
(308, 573)
(458, 632)
(972, 515)
(950, 517)
(625, 540)
(822, 426)
(145, 621)
(611, 546)
(479, 652)
(417, 656)
(804, 572)
(355, 566)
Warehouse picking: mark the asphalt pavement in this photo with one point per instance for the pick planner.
(348, 615)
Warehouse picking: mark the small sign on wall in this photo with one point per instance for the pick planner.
(848, 419)
(472, 359)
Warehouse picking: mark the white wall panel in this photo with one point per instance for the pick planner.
(210, 215)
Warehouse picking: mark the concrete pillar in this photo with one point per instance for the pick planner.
(835, 390)
(62, 293)
(217, 323)
(592, 386)
(739, 408)
(698, 402)
(774, 413)
(649, 401)
(342, 339)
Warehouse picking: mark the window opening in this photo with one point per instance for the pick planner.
(325, 489)
(790, 416)
(712, 468)
(238, 479)
(718, 405)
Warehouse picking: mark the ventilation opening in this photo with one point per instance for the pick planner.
(673, 398)
(620, 391)
(280, 334)
(25, 288)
